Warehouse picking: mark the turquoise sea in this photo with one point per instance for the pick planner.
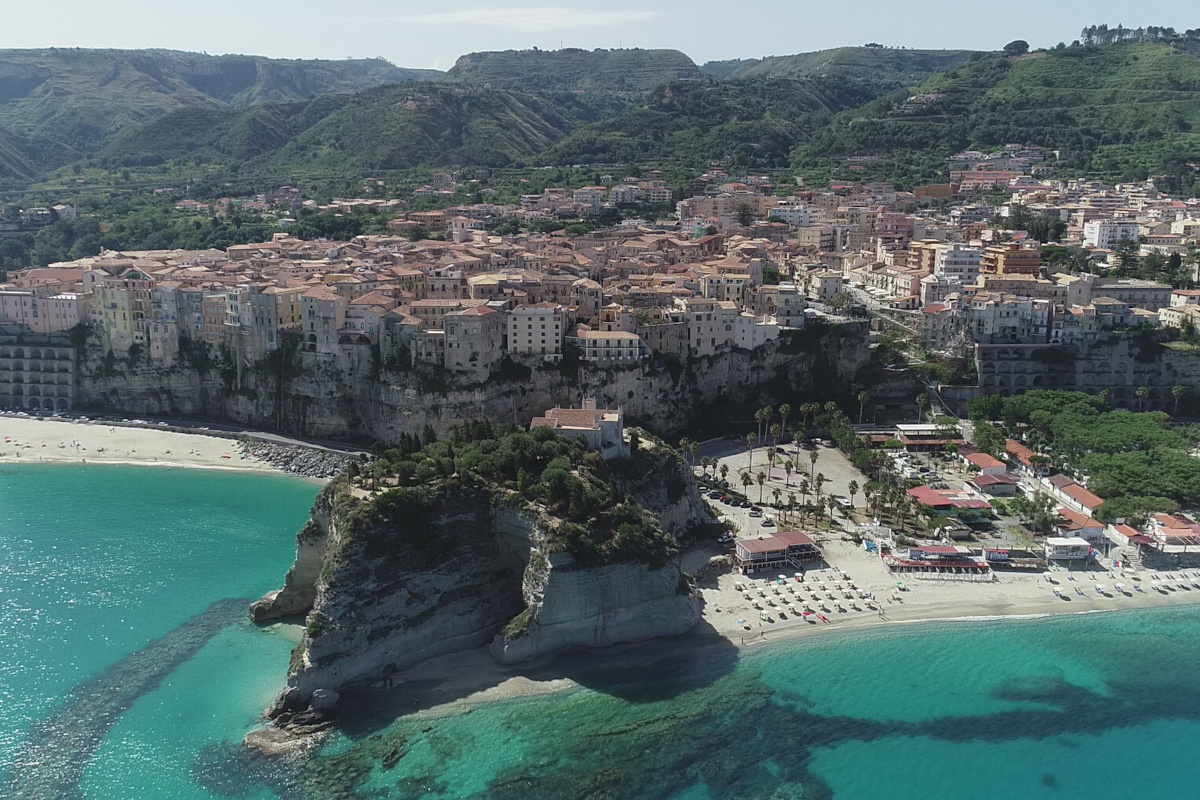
(120, 678)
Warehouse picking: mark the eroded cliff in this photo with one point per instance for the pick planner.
(457, 561)
(353, 395)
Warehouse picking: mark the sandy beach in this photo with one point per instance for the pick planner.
(29, 441)
(1011, 594)
(453, 684)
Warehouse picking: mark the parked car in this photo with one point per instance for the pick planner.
(755, 513)
(768, 522)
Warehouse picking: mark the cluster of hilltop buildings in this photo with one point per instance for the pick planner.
(741, 263)
(612, 298)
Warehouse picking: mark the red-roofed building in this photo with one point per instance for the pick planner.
(987, 465)
(942, 501)
(1082, 499)
(1072, 524)
(1022, 458)
(786, 548)
(992, 485)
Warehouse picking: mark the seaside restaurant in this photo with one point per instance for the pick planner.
(1067, 548)
(786, 548)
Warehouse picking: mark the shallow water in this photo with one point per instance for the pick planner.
(1096, 706)
(98, 561)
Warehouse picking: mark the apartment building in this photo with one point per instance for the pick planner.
(957, 261)
(539, 329)
(1107, 233)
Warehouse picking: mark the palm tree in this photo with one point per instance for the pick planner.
(771, 453)
(758, 417)
(775, 434)
(775, 494)
(761, 477)
(746, 480)
(751, 440)
(1177, 392)
(863, 397)
(804, 490)
(724, 470)
(1141, 393)
(820, 479)
(831, 504)
(787, 473)
(852, 490)
(922, 404)
(684, 447)
(785, 411)
(812, 458)
(768, 412)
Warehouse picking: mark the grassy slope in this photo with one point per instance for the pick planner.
(573, 69)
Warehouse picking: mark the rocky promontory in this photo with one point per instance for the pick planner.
(521, 540)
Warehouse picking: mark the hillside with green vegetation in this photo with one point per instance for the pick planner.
(1116, 109)
(747, 123)
(725, 69)
(584, 502)
(388, 128)
(72, 101)
(572, 69)
(878, 65)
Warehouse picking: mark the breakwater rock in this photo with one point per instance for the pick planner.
(57, 749)
(308, 462)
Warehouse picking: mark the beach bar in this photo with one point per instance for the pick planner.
(786, 548)
(941, 562)
(1067, 548)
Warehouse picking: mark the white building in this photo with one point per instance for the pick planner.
(798, 216)
(1072, 548)
(1107, 233)
(957, 261)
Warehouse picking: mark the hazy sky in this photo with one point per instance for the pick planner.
(430, 34)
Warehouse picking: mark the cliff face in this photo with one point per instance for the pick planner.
(482, 572)
(349, 396)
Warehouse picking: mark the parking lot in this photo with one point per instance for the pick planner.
(831, 463)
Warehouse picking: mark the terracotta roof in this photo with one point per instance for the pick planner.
(984, 461)
(1083, 496)
(1019, 451)
(1076, 521)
